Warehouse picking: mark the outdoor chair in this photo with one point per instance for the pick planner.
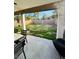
(60, 46)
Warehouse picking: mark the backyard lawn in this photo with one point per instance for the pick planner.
(43, 31)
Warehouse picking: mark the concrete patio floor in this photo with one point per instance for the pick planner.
(39, 48)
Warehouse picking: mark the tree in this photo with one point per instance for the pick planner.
(55, 14)
(36, 15)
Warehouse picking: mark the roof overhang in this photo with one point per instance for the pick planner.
(26, 6)
(37, 9)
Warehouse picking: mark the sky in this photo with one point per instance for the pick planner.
(42, 13)
(47, 13)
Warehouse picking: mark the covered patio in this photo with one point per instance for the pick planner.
(36, 47)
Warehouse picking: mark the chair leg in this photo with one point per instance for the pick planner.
(24, 53)
(26, 40)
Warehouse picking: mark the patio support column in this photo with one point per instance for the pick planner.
(61, 18)
(24, 31)
(23, 20)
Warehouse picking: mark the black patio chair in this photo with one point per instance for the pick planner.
(60, 46)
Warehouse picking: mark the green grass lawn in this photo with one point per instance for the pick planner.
(44, 31)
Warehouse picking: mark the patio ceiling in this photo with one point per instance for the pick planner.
(22, 6)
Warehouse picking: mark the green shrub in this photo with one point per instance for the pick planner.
(17, 29)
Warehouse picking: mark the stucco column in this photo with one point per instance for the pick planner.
(23, 20)
(61, 18)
